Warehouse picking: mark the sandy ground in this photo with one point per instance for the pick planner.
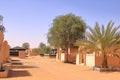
(44, 68)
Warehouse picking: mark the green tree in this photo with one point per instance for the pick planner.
(101, 40)
(26, 45)
(36, 50)
(47, 50)
(42, 45)
(41, 48)
(2, 28)
(65, 30)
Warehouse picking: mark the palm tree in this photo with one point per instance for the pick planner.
(101, 40)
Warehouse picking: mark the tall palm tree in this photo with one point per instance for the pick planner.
(101, 40)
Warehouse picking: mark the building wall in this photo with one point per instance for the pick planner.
(22, 54)
(72, 55)
(81, 59)
(68, 57)
(59, 54)
(111, 60)
(62, 57)
(90, 60)
(96, 60)
(78, 59)
(32, 54)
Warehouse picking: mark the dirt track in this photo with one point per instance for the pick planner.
(44, 68)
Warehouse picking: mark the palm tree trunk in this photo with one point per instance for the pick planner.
(104, 61)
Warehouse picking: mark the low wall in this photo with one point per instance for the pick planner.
(63, 57)
(32, 54)
(72, 55)
(22, 54)
(111, 60)
(90, 60)
(68, 57)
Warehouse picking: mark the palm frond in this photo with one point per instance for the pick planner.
(101, 38)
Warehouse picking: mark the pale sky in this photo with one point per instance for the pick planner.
(30, 20)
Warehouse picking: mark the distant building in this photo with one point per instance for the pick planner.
(15, 50)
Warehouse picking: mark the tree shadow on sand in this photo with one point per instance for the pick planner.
(17, 69)
(16, 64)
(22, 66)
(18, 73)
